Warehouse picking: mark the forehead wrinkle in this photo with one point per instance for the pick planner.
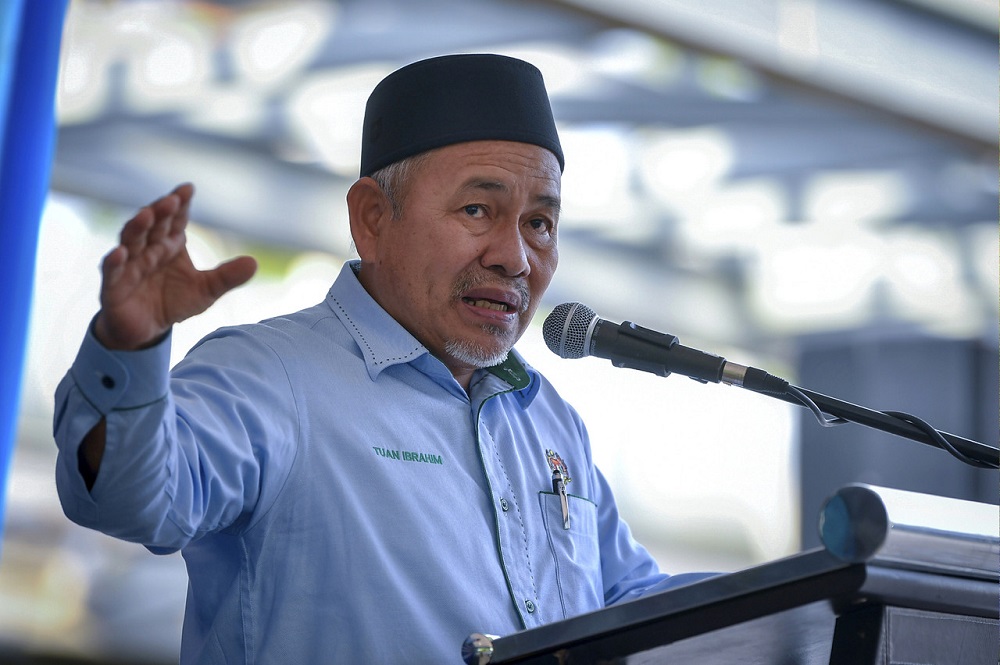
(485, 185)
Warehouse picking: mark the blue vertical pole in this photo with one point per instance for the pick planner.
(30, 34)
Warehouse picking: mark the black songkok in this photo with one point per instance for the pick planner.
(453, 99)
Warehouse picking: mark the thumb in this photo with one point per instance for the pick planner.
(229, 275)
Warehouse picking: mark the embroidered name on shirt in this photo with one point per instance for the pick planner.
(408, 456)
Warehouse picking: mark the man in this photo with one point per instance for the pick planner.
(376, 477)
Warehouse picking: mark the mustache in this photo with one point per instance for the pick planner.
(472, 280)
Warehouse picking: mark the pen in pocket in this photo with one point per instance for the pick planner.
(559, 487)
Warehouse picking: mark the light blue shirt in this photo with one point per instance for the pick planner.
(337, 496)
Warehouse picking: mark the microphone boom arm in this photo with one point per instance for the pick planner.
(573, 330)
(635, 347)
(639, 348)
(985, 455)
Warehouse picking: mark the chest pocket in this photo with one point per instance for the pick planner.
(575, 553)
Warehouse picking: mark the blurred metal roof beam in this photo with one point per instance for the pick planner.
(983, 14)
(886, 57)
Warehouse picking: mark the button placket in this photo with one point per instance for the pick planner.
(512, 539)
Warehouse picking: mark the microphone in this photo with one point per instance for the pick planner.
(573, 330)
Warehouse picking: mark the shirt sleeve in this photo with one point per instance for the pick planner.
(629, 571)
(185, 454)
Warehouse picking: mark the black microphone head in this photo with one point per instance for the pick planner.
(566, 330)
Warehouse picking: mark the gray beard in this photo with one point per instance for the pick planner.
(469, 353)
(473, 354)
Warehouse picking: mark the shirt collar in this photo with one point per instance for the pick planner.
(519, 376)
(384, 342)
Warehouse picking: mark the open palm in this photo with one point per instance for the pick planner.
(149, 282)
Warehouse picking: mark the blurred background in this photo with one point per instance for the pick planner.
(805, 186)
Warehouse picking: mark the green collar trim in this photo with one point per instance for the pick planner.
(511, 371)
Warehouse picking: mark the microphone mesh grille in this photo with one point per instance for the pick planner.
(565, 330)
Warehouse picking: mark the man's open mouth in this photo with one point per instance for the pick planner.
(488, 304)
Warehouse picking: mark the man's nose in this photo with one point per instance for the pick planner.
(506, 250)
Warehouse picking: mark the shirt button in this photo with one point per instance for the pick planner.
(107, 382)
(504, 506)
(530, 606)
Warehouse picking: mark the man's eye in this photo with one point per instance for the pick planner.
(474, 210)
(540, 225)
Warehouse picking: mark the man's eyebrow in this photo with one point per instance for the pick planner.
(552, 202)
(546, 200)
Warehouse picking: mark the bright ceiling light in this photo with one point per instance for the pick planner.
(683, 161)
(173, 61)
(167, 55)
(924, 277)
(856, 196)
(238, 111)
(273, 43)
(815, 277)
(733, 219)
(729, 79)
(637, 57)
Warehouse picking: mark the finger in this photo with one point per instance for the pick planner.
(174, 220)
(113, 261)
(112, 269)
(184, 193)
(164, 211)
(229, 275)
(134, 234)
(144, 236)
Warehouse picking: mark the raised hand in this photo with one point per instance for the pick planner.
(149, 282)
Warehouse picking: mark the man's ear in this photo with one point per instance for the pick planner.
(368, 208)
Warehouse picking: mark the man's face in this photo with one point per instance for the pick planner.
(465, 266)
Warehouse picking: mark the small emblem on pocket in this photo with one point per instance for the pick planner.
(556, 463)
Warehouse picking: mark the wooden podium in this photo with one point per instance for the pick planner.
(902, 578)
